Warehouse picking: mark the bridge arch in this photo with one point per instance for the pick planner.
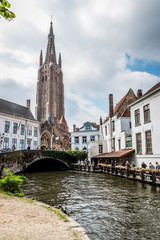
(45, 164)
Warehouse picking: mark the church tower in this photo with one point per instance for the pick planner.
(50, 88)
(49, 108)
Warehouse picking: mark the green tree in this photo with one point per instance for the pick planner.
(4, 10)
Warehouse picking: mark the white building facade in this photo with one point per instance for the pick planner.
(18, 127)
(80, 137)
(146, 127)
(115, 131)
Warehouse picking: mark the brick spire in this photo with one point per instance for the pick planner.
(50, 46)
(41, 59)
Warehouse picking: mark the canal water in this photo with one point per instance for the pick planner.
(107, 207)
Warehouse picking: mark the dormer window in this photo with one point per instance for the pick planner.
(88, 127)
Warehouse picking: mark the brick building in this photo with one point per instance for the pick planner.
(50, 98)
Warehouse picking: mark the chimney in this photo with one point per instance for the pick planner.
(100, 121)
(139, 93)
(111, 105)
(74, 127)
(28, 103)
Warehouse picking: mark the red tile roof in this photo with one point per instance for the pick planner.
(153, 88)
(115, 154)
(126, 113)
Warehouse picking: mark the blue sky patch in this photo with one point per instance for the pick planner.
(143, 65)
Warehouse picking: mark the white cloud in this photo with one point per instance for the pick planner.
(94, 37)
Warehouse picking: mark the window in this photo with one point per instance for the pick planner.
(21, 144)
(29, 130)
(113, 126)
(14, 142)
(84, 139)
(128, 143)
(106, 130)
(148, 142)
(35, 132)
(146, 113)
(119, 144)
(92, 138)
(22, 129)
(7, 126)
(35, 144)
(139, 143)
(76, 140)
(137, 117)
(100, 148)
(28, 143)
(113, 144)
(6, 143)
(15, 128)
(88, 127)
(130, 125)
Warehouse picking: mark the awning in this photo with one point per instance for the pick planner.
(115, 154)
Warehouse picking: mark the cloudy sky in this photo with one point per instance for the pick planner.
(107, 46)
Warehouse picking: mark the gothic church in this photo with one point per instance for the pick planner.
(50, 99)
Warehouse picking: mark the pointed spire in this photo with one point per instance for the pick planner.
(62, 120)
(51, 30)
(41, 59)
(60, 60)
(50, 46)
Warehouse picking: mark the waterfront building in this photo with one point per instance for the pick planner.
(18, 127)
(146, 126)
(115, 131)
(81, 137)
(50, 109)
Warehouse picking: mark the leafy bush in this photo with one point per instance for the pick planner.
(12, 183)
(79, 155)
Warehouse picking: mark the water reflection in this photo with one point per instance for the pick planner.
(107, 207)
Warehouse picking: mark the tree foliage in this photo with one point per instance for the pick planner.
(79, 155)
(4, 10)
(12, 183)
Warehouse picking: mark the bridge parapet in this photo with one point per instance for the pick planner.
(18, 161)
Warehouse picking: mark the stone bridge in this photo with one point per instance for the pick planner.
(35, 160)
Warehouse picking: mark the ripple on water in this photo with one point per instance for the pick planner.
(107, 207)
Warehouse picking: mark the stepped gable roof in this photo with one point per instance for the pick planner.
(14, 109)
(118, 106)
(153, 88)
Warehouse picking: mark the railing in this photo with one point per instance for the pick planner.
(140, 174)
